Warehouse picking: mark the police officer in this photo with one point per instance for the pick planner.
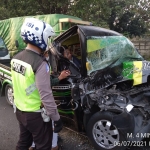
(31, 83)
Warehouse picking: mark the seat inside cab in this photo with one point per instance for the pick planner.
(73, 43)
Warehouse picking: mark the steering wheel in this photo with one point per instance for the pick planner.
(71, 76)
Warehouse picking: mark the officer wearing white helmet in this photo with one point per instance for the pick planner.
(31, 83)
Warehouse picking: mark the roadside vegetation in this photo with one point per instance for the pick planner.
(131, 18)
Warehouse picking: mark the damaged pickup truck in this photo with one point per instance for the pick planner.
(107, 99)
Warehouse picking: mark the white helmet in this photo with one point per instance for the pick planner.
(36, 32)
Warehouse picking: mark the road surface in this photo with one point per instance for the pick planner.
(9, 133)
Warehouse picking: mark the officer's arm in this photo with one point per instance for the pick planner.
(43, 85)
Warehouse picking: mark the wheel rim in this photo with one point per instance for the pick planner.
(10, 95)
(105, 134)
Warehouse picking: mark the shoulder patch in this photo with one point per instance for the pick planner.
(47, 68)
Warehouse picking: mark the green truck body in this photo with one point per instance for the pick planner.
(10, 29)
(11, 43)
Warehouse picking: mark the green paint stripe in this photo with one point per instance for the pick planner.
(5, 71)
(7, 82)
(65, 112)
(62, 93)
(128, 70)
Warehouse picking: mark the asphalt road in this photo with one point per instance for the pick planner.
(8, 126)
(9, 133)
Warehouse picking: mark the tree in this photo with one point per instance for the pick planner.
(31, 7)
(4, 13)
(91, 10)
(126, 17)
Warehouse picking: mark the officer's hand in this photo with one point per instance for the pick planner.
(58, 125)
(64, 74)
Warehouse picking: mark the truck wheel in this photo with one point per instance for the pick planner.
(102, 133)
(9, 94)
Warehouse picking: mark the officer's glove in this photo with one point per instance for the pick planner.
(58, 125)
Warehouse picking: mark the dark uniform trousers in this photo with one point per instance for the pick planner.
(33, 128)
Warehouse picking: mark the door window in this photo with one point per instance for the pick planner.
(3, 48)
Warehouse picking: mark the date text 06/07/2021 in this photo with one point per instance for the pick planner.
(134, 142)
(131, 143)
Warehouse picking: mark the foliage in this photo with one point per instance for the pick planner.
(91, 10)
(128, 17)
(125, 16)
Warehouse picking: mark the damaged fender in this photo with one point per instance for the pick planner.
(124, 122)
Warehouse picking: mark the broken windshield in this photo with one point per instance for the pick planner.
(103, 51)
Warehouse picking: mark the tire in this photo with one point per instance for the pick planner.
(102, 134)
(9, 94)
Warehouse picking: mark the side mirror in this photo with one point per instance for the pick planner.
(16, 43)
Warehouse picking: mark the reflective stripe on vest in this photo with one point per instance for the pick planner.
(30, 89)
(26, 95)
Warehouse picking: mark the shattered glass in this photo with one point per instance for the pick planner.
(103, 51)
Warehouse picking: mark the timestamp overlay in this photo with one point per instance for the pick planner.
(133, 140)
